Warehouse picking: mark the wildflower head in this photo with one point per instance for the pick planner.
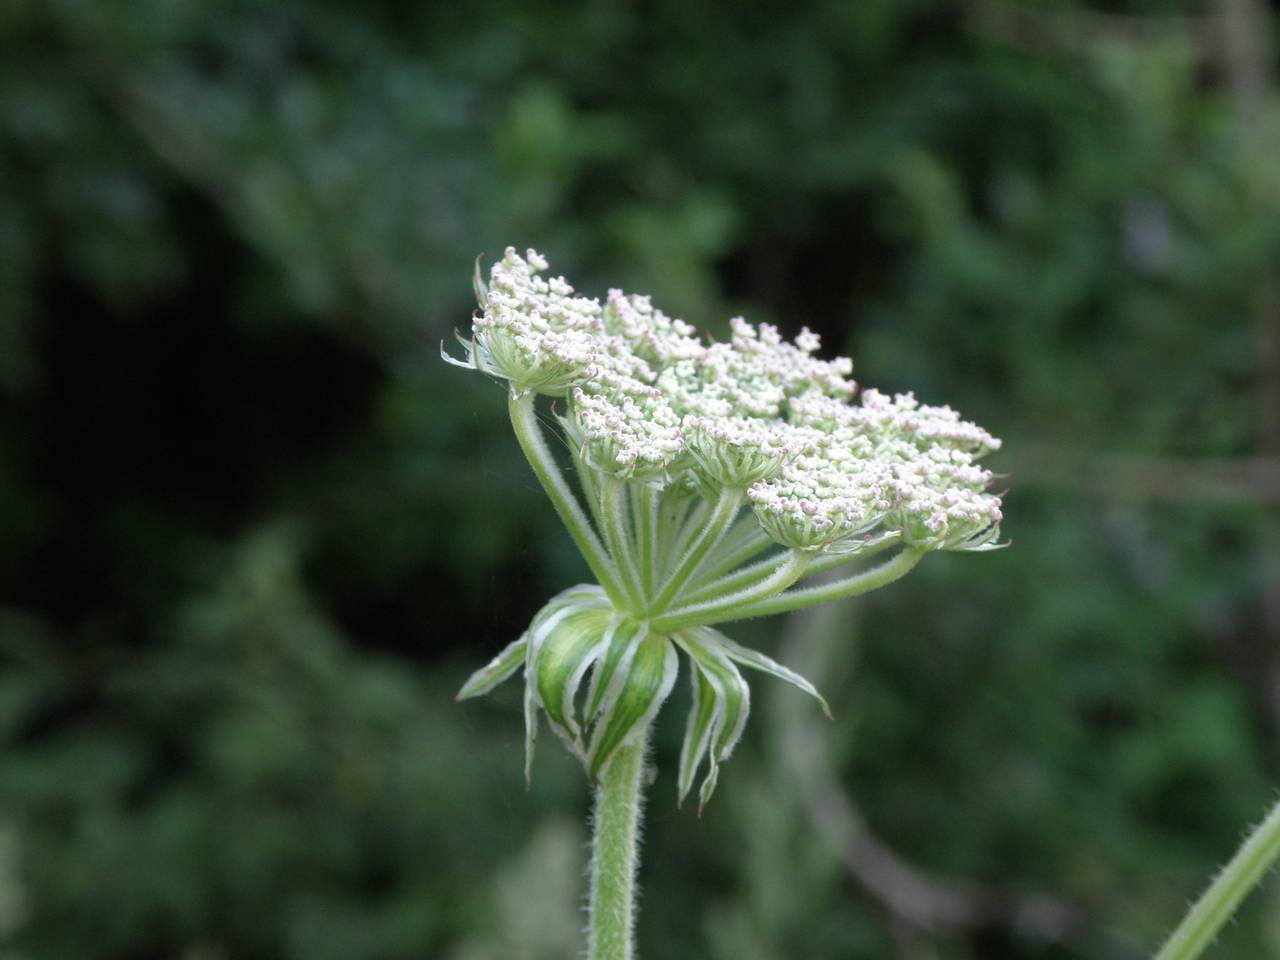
(713, 475)
(532, 331)
(736, 451)
(826, 497)
(625, 427)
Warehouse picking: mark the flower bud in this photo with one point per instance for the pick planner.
(735, 452)
(826, 498)
(533, 332)
(627, 428)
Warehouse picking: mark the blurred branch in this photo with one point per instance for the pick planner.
(1140, 477)
(914, 897)
(1077, 31)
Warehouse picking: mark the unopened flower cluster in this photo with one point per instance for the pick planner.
(824, 467)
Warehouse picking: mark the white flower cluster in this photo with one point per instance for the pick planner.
(649, 333)
(826, 497)
(738, 451)
(647, 400)
(753, 374)
(942, 501)
(889, 460)
(905, 417)
(629, 430)
(534, 332)
(857, 478)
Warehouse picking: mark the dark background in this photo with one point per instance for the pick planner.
(255, 533)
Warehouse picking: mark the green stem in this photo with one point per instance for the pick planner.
(743, 542)
(671, 519)
(617, 534)
(695, 518)
(725, 608)
(647, 537)
(721, 516)
(615, 853)
(704, 588)
(1246, 869)
(830, 561)
(859, 583)
(588, 480)
(524, 420)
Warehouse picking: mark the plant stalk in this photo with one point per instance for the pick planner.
(524, 420)
(694, 519)
(617, 536)
(853, 586)
(647, 538)
(744, 541)
(706, 588)
(699, 589)
(724, 608)
(721, 517)
(615, 854)
(1246, 869)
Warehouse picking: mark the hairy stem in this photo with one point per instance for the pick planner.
(589, 480)
(1246, 869)
(693, 520)
(705, 588)
(721, 516)
(859, 583)
(743, 542)
(671, 519)
(617, 535)
(725, 608)
(615, 854)
(524, 420)
(647, 538)
(832, 560)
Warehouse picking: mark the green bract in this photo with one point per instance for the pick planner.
(711, 479)
(632, 670)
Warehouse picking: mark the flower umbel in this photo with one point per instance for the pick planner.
(715, 477)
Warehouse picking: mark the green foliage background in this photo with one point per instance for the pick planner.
(255, 533)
